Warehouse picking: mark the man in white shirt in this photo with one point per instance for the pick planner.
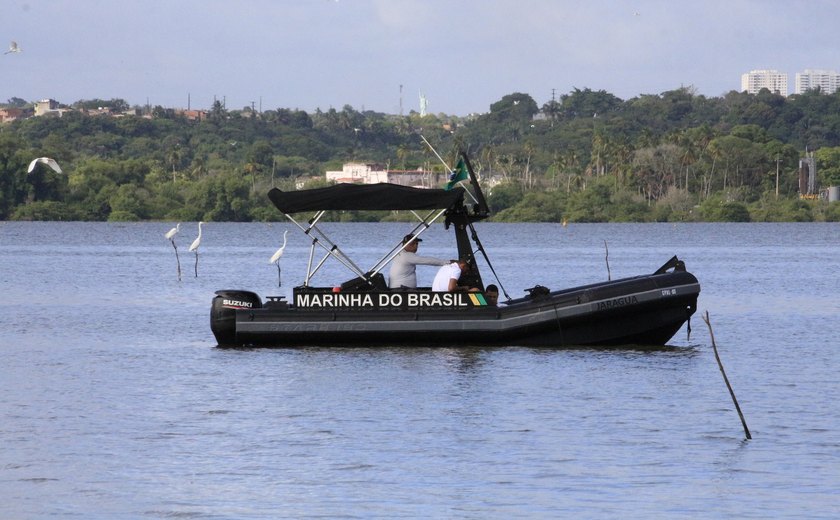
(404, 266)
(447, 277)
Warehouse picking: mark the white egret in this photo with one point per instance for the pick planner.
(44, 160)
(13, 47)
(172, 232)
(170, 235)
(197, 241)
(275, 258)
(194, 247)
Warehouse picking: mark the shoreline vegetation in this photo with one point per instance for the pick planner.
(585, 157)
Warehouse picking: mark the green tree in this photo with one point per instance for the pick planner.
(129, 203)
(16, 102)
(591, 204)
(221, 198)
(504, 196)
(715, 209)
(828, 165)
(534, 207)
(587, 103)
(13, 182)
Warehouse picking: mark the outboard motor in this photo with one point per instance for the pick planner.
(223, 313)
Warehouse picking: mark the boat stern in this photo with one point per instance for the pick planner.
(223, 313)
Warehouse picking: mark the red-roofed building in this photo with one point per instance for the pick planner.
(7, 115)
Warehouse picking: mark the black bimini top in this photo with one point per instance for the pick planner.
(382, 196)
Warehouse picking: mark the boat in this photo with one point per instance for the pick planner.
(643, 310)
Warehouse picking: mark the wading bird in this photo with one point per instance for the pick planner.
(275, 258)
(170, 235)
(172, 232)
(194, 247)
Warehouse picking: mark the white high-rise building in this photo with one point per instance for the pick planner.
(773, 80)
(827, 81)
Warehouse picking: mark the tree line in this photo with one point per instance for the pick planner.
(588, 156)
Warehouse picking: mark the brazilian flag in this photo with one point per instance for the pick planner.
(458, 174)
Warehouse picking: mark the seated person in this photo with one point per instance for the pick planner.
(404, 266)
(491, 294)
(447, 277)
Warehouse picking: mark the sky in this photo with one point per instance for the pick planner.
(381, 55)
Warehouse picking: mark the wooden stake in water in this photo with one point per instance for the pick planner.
(177, 259)
(725, 379)
(607, 259)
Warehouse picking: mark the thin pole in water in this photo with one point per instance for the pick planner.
(607, 258)
(177, 259)
(725, 379)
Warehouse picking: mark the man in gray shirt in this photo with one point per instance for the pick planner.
(404, 266)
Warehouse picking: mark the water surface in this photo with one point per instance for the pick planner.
(115, 401)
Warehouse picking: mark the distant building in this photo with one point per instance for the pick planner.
(827, 81)
(372, 173)
(192, 115)
(100, 111)
(773, 80)
(48, 107)
(7, 115)
(808, 177)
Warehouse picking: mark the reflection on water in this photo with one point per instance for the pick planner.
(117, 403)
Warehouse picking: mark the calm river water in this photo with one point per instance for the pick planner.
(116, 403)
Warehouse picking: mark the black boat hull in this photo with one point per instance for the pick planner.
(643, 310)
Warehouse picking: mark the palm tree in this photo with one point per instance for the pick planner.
(198, 167)
(488, 155)
(174, 157)
(252, 168)
(402, 154)
(529, 152)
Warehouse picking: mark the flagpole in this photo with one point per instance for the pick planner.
(432, 148)
(450, 170)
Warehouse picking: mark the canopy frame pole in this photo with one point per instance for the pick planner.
(422, 226)
(333, 249)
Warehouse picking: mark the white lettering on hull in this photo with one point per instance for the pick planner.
(380, 300)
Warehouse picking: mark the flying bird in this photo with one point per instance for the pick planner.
(194, 247)
(13, 47)
(44, 160)
(275, 258)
